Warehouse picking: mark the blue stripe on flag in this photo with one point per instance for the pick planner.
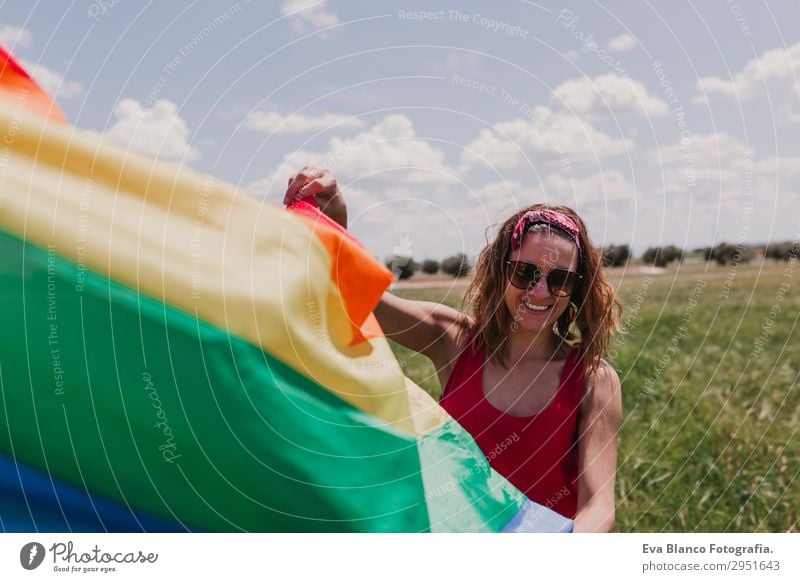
(535, 518)
(31, 501)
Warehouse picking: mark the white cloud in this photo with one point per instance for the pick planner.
(779, 175)
(494, 149)
(493, 201)
(158, 131)
(719, 190)
(308, 14)
(708, 86)
(707, 167)
(271, 121)
(608, 94)
(446, 219)
(544, 136)
(787, 115)
(606, 187)
(53, 82)
(500, 192)
(623, 42)
(774, 70)
(728, 187)
(388, 151)
(15, 37)
(710, 149)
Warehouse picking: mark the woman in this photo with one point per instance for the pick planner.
(538, 398)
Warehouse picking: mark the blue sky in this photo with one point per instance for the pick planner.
(659, 122)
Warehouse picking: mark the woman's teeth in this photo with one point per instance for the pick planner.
(533, 307)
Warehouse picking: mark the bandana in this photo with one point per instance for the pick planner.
(551, 217)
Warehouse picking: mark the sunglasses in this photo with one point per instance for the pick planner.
(560, 282)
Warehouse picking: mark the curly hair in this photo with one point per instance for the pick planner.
(589, 321)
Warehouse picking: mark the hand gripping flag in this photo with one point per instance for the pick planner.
(177, 355)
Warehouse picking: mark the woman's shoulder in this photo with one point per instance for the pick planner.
(603, 372)
(602, 383)
(598, 370)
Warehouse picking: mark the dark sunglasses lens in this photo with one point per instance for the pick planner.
(561, 282)
(524, 275)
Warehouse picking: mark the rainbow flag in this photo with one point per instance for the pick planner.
(176, 355)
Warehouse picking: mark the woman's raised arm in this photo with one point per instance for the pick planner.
(423, 326)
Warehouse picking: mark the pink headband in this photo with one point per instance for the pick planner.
(551, 217)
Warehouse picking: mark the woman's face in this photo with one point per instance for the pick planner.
(535, 309)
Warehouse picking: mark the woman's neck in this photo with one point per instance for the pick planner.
(530, 345)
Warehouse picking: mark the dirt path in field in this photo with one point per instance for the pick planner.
(431, 284)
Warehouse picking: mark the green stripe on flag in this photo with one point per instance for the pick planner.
(113, 391)
(462, 490)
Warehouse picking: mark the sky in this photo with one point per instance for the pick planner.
(666, 122)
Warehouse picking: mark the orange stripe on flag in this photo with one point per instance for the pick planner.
(360, 294)
(18, 86)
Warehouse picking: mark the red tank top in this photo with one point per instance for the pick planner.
(538, 454)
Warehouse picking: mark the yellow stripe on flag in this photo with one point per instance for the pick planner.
(202, 246)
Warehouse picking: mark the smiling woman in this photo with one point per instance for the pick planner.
(529, 362)
(524, 375)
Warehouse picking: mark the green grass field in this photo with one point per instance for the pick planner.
(709, 363)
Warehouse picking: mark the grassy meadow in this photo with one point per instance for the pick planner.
(709, 360)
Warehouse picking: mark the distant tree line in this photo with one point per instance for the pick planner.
(616, 255)
(724, 253)
(404, 267)
(785, 251)
(662, 256)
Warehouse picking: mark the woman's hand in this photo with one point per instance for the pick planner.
(319, 183)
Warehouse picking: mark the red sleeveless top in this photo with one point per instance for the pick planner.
(538, 454)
